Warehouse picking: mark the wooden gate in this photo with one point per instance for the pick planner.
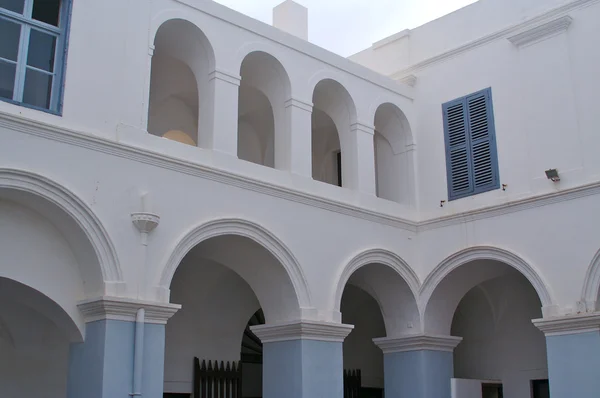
(352, 382)
(218, 380)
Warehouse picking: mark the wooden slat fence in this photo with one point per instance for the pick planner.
(352, 383)
(218, 379)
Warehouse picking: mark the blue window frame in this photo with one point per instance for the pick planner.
(470, 136)
(32, 52)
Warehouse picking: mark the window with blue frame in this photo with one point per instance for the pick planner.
(32, 52)
(470, 136)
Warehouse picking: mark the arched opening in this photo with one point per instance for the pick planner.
(264, 88)
(332, 117)
(393, 155)
(490, 305)
(35, 336)
(379, 303)
(223, 282)
(179, 94)
(47, 266)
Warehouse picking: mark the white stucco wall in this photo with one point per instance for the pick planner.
(472, 45)
(102, 159)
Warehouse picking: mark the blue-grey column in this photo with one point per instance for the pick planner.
(102, 366)
(303, 359)
(418, 366)
(573, 348)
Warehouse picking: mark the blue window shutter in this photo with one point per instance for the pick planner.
(458, 154)
(471, 156)
(483, 143)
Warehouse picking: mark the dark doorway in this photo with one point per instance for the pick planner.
(489, 390)
(540, 389)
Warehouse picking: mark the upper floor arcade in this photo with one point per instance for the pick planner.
(250, 98)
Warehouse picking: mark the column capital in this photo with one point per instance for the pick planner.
(570, 324)
(419, 342)
(298, 103)
(228, 77)
(364, 127)
(302, 330)
(125, 309)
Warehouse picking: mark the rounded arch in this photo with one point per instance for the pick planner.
(480, 274)
(271, 52)
(110, 274)
(333, 98)
(390, 281)
(391, 122)
(334, 113)
(590, 292)
(264, 89)
(179, 90)
(394, 158)
(184, 40)
(164, 17)
(375, 256)
(243, 228)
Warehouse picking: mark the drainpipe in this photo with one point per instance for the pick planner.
(138, 353)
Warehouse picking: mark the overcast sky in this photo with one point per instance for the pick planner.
(348, 26)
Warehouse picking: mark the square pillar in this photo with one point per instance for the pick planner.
(359, 165)
(221, 133)
(573, 348)
(294, 152)
(303, 359)
(103, 365)
(418, 366)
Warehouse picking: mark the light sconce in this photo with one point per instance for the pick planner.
(552, 175)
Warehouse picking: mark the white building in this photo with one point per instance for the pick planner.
(177, 157)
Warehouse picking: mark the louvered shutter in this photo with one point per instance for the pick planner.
(481, 134)
(471, 157)
(458, 155)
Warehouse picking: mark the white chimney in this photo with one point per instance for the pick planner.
(292, 18)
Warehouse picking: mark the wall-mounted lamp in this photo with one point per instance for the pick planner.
(552, 175)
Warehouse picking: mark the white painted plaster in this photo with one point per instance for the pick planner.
(200, 68)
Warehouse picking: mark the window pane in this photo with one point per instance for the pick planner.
(41, 50)
(13, 5)
(46, 11)
(7, 79)
(38, 89)
(10, 33)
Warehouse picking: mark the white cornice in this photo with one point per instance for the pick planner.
(417, 343)
(121, 309)
(103, 145)
(302, 330)
(541, 32)
(575, 324)
(550, 15)
(411, 80)
(511, 207)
